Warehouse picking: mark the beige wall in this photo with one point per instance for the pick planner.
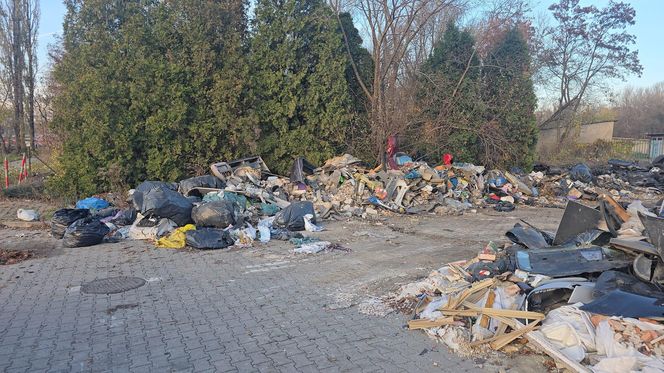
(587, 134)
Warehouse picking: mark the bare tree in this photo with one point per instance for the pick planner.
(640, 111)
(586, 46)
(31, 26)
(19, 21)
(393, 28)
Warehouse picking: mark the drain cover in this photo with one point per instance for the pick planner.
(112, 285)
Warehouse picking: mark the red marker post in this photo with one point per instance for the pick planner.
(20, 175)
(6, 173)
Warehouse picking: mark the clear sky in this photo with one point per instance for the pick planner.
(649, 31)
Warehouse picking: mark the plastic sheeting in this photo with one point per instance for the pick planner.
(570, 329)
(177, 239)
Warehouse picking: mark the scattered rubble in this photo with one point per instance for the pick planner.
(8, 257)
(243, 201)
(580, 295)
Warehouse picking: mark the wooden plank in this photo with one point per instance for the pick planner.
(621, 212)
(499, 341)
(494, 312)
(425, 324)
(456, 302)
(505, 313)
(502, 327)
(484, 320)
(503, 340)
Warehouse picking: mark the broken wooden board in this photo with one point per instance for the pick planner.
(478, 286)
(619, 210)
(528, 315)
(425, 323)
(484, 320)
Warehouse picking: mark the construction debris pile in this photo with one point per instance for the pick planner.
(590, 296)
(243, 201)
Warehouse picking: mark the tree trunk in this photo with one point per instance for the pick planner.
(31, 101)
(17, 77)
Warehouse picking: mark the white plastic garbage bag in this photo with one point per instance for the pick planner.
(264, 226)
(309, 226)
(27, 215)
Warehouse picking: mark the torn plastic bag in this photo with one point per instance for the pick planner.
(121, 217)
(300, 169)
(292, 217)
(621, 303)
(92, 203)
(312, 248)
(208, 238)
(581, 172)
(207, 181)
(264, 227)
(309, 226)
(569, 261)
(63, 218)
(219, 214)
(527, 236)
(85, 232)
(571, 331)
(166, 203)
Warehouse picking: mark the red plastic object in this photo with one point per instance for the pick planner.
(6, 173)
(447, 159)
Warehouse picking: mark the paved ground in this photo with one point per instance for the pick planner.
(260, 309)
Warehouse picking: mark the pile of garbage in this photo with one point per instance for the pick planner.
(242, 200)
(590, 296)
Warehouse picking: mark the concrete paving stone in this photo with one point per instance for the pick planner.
(232, 310)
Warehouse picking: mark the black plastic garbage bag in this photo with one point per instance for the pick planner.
(104, 213)
(292, 217)
(85, 232)
(208, 238)
(218, 214)
(145, 187)
(166, 203)
(63, 218)
(206, 181)
(581, 172)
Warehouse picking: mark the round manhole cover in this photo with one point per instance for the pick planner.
(112, 285)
